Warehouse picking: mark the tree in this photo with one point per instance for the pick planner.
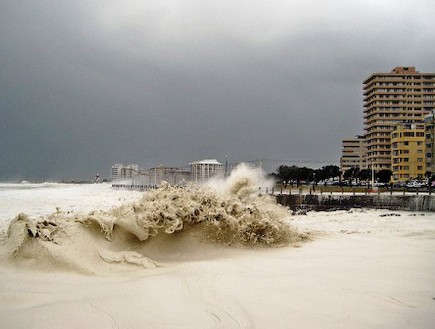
(287, 174)
(351, 173)
(365, 174)
(298, 174)
(303, 174)
(329, 171)
(383, 176)
(320, 175)
(293, 173)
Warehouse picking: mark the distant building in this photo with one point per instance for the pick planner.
(116, 171)
(203, 170)
(171, 175)
(352, 153)
(408, 152)
(403, 95)
(121, 171)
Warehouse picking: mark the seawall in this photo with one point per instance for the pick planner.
(379, 201)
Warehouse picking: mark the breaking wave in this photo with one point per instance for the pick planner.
(228, 212)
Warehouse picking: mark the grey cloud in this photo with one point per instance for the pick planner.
(80, 91)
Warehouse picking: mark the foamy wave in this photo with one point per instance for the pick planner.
(229, 212)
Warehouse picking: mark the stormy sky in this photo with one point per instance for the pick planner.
(85, 84)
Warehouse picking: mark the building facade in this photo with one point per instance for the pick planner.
(172, 175)
(403, 95)
(203, 170)
(115, 172)
(352, 153)
(408, 152)
(121, 171)
(429, 129)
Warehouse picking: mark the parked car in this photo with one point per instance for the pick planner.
(333, 183)
(415, 184)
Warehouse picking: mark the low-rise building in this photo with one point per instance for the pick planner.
(203, 170)
(408, 152)
(121, 171)
(171, 175)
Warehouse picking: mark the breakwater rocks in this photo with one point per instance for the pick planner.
(379, 201)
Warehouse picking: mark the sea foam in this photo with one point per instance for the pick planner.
(229, 211)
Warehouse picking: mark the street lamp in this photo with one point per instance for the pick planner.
(373, 174)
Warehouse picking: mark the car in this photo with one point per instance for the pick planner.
(415, 184)
(333, 183)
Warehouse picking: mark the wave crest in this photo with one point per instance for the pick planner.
(229, 212)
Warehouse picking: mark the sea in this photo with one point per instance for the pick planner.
(43, 199)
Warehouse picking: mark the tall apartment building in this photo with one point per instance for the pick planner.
(408, 152)
(403, 95)
(352, 153)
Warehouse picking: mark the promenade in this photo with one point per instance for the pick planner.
(326, 198)
(335, 197)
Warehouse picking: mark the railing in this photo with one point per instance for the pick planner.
(310, 189)
(321, 197)
(346, 190)
(134, 187)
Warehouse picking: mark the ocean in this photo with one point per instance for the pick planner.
(44, 198)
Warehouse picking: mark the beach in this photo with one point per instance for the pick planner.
(360, 268)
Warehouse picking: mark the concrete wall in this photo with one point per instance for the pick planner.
(396, 202)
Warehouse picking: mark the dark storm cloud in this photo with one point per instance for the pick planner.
(89, 83)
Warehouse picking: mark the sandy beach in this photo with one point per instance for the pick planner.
(360, 269)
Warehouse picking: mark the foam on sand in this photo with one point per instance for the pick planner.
(170, 218)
